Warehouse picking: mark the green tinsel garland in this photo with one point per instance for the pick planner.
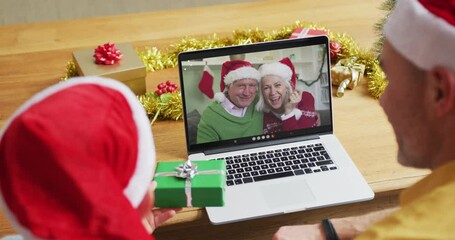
(387, 6)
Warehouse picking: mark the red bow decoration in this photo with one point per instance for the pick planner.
(107, 54)
(335, 50)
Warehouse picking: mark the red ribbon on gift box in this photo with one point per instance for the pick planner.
(107, 54)
(306, 32)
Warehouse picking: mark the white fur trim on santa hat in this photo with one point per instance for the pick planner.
(421, 37)
(142, 175)
(241, 73)
(219, 97)
(276, 68)
(143, 172)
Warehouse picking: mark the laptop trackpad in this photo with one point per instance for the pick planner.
(287, 194)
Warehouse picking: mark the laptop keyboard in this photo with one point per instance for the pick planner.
(254, 167)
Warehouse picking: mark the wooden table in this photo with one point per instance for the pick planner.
(33, 56)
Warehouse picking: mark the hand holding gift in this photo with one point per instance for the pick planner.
(155, 217)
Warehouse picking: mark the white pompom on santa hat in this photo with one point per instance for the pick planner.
(234, 70)
(76, 162)
(423, 32)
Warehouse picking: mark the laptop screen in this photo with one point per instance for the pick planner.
(258, 94)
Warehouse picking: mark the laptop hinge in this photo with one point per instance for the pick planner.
(259, 144)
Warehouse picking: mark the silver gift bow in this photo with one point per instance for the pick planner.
(188, 171)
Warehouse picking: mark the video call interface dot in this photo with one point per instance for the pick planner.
(262, 137)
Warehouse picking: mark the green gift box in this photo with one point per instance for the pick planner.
(203, 189)
(130, 70)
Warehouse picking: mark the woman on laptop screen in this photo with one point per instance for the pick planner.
(285, 107)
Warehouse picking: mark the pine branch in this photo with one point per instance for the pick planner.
(378, 27)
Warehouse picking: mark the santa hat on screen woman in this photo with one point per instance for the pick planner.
(423, 32)
(76, 161)
(234, 70)
(283, 69)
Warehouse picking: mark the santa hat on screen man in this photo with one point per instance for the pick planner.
(423, 32)
(234, 70)
(76, 162)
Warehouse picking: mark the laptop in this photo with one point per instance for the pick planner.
(280, 172)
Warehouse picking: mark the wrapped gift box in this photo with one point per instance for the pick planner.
(130, 69)
(347, 69)
(206, 187)
(347, 74)
(306, 32)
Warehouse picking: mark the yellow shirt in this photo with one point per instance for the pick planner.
(427, 210)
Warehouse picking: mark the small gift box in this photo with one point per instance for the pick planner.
(306, 32)
(190, 184)
(130, 69)
(347, 74)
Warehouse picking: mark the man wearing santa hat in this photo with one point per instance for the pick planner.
(418, 59)
(232, 115)
(76, 162)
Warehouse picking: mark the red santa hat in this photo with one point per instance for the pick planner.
(234, 70)
(76, 161)
(423, 32)
(284, 69)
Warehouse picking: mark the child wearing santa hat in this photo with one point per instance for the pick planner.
(76, 162)
(232, 115)
(285, 107)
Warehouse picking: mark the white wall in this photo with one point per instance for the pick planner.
(28, 11)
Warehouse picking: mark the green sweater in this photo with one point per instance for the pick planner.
(217, 124)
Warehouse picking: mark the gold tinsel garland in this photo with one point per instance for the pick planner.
(169, 105)
(165, 106)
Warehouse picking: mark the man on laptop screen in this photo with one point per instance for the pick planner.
(232, 115)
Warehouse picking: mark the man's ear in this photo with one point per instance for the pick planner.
(442, 86)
